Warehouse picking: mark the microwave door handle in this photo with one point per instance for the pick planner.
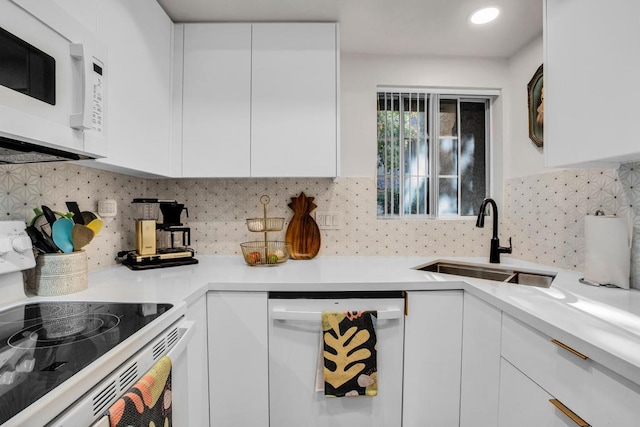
(82, 120)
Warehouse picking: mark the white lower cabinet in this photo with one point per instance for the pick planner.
(238, 359)
(523, 403)
(481, 331)
(197, 365)
(594, 393)
(432, 359)
(453, 360)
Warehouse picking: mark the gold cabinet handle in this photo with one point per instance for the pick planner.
(406, 303)
(569, 349)
(569, 413)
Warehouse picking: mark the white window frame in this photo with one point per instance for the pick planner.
(434, 95)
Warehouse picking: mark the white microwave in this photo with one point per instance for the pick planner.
(52, 84)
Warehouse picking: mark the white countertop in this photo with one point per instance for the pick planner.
(602, 323)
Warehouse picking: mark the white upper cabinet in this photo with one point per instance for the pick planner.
(257, 100)
(216, 126)
(591, 81)
(85, 11)
(138, 35)
(294, 100)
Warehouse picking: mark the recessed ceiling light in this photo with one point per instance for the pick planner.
(484, 15)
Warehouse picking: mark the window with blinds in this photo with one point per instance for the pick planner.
(432, 154)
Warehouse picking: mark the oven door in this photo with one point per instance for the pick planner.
(89, 410)
(52, 79)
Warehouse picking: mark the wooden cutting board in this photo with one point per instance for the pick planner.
(303, 233)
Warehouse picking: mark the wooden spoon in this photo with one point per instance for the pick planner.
(81, 236)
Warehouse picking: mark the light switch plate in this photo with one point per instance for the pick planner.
(328, 220)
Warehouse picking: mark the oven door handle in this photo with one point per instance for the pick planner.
(315, 316)
(186, 330)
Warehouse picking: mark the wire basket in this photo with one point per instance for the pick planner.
(270, 253)
(265, 224)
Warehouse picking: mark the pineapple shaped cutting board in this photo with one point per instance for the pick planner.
(303, 233)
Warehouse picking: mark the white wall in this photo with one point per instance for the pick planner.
(360, 76)
(521, 156)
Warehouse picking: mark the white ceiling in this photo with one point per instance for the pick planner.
(396, 27)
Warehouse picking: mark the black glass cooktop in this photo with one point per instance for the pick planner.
(44, 344)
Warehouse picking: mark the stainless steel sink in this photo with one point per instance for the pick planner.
(531, 279)
(507, 275)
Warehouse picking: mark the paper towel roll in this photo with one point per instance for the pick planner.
(607, 242)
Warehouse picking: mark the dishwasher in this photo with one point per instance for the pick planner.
(295, 360)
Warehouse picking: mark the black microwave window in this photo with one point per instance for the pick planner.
(27, 69)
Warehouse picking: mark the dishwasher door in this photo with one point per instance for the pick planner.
(294, 349)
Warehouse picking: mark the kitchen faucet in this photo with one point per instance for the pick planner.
(496, 249)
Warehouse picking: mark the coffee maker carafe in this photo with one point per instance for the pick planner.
(146, 216)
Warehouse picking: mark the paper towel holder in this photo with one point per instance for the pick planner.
(607, 269)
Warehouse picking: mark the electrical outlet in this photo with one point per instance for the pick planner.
(328, 220)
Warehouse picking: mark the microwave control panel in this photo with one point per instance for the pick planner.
(97, 111)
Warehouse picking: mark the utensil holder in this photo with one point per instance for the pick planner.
(59, 274)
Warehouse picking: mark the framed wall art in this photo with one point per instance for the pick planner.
(535, 89)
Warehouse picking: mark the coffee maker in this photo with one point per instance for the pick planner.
(159, 244)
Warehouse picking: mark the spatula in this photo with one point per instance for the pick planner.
(77, 215)
(49, 215)
(96, 225)
(47, 238)
(61, 234)
(38, 241)
(88, 216)
(81, 236)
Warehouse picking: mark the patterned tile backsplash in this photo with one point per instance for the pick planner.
(546, 212)
(543, 213)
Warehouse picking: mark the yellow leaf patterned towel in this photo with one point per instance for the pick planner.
(350, 355)
(148, 402)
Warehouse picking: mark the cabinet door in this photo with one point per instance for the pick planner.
(238, 359)
(197, 365)
(216, 112)
(481, 331)
(432, 357)
(523, 403)
(294, 100)
(85, 11)
(591, 81)
(138, 74)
